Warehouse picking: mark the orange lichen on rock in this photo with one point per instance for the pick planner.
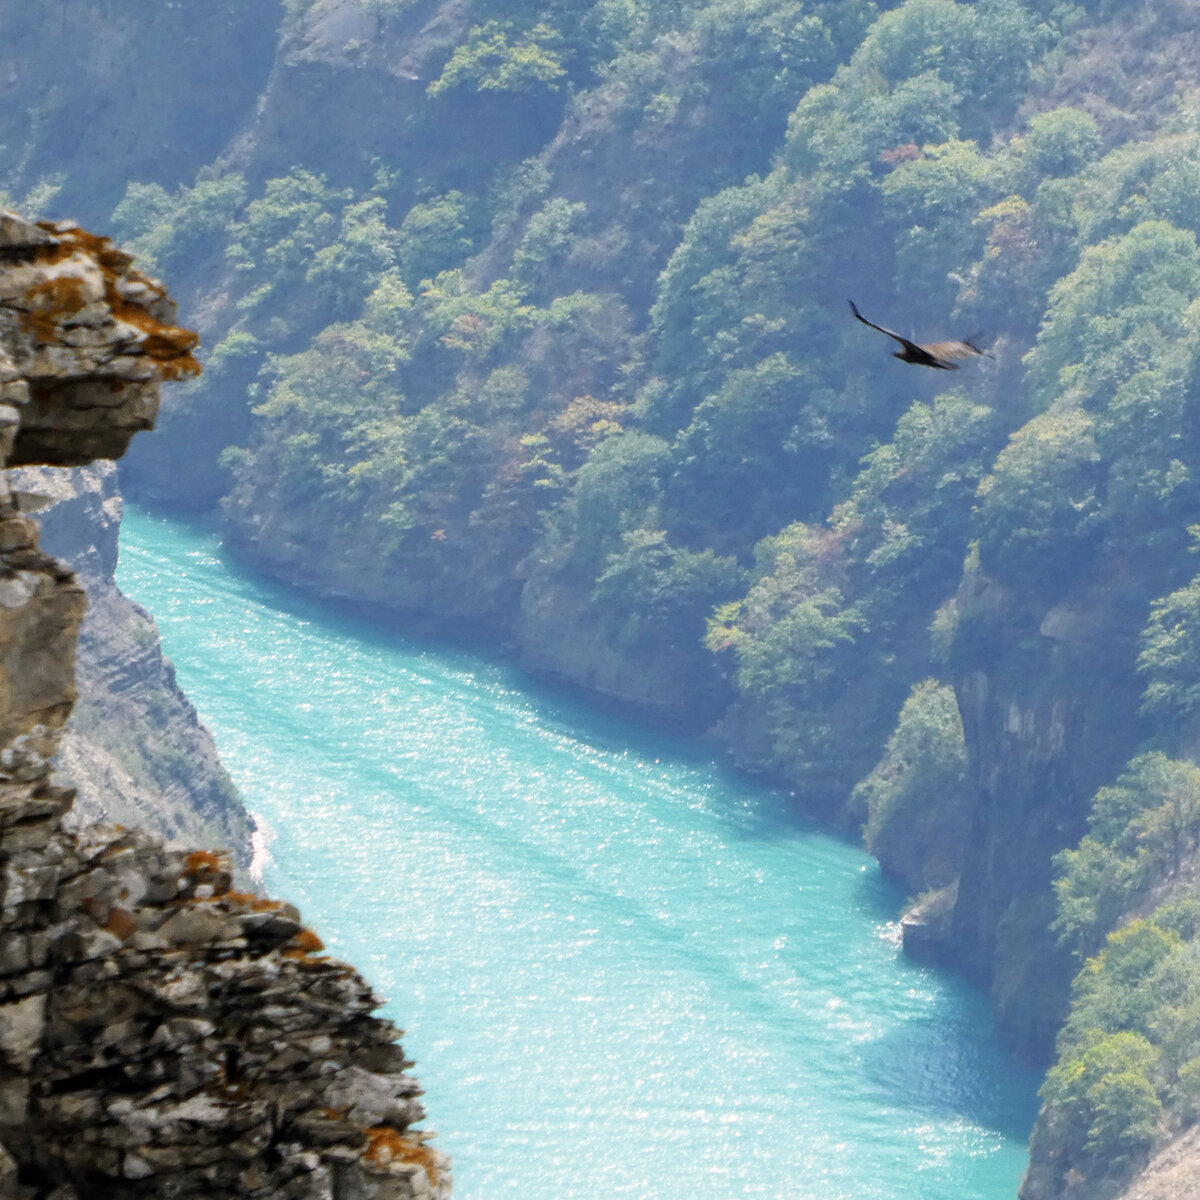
(71, 238)
(209, 867)
(251, 901)
(200, 862)
(122, 923)
(53, 301)
(56, 252)
(163, 342)
(309, 941)
(385, 1145)
(170, 346)
(304, 943)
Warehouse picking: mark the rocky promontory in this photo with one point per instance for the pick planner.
(161, 1033)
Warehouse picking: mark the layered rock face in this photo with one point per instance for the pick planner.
(135, 750)
(161, 1034)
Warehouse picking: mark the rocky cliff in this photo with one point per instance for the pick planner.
(134, 750)
(161, 1034)
(1046, 724)
(635, 275)
(1171, 1174)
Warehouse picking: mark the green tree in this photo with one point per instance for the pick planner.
(1041, 503)
(615, 492)
(744, 464)
(548, 238)
(1141, 830)
(283, 231)
(917, 797)
(171, 232)
(655, 591)
(933, 199)
(346, 271)
(698, 302)
(1061, 142)
(436, 235)
(1116, 314)
(496, 58)
(1170, 655)
(794, 638)
(908, 512)
(1102, 1109)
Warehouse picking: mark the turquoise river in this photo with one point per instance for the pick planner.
(624, 971)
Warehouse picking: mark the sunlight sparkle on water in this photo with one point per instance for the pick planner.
(624, 972)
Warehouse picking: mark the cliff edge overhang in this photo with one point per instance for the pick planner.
(161, 1034)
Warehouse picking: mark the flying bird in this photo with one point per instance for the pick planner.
(940, 355)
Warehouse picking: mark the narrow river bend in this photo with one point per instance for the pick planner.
(624, 971)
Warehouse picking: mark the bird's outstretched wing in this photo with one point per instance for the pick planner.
(942, 355)
(891, 333)
(949, 351)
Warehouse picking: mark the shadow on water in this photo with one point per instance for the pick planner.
(947, 1076)
(938, 1069)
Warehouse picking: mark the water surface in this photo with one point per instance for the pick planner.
(624, 971)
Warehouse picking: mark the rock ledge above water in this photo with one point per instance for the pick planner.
(161, 1034)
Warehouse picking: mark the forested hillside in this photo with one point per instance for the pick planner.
(531, 317)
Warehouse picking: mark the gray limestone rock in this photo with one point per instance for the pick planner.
(135, 748)
(161, 1033)
(22, 1023)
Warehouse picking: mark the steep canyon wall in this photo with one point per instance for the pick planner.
(161, 1034)
(135, 750)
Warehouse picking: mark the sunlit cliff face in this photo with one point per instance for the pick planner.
(160, 1033)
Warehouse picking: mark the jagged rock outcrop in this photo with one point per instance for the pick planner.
(350, 57)
(134, 750)
(161, 1034)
